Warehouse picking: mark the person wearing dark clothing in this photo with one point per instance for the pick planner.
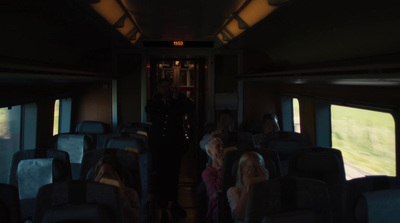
(270, 129)
(168, 142)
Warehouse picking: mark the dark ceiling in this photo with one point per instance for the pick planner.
(181, 19)
(69, 34)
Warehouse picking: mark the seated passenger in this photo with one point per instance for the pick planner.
(270, 128)
(212, 175)
(250, 169)
(109, 171)
(225, 124)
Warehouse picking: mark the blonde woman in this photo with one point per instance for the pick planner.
(212, 175)
(250, 167)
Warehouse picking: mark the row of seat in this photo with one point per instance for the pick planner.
(31, 169)
(65, 201)
(316, 163)
(300, 200)
(283, 142)
(90, 135)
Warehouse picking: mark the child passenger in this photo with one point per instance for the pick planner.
(212, 175)
(109, 171)
(250, 168)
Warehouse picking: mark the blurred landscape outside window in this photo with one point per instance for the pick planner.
(56, 117)
(366, 139)
(10, 135)
(296, 115)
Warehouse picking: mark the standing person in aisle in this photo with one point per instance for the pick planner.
(167, 141)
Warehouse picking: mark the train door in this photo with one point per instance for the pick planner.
(188, 75)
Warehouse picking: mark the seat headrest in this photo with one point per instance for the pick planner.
(34, 173)
(78, 213)
(318, 163)
(378, 206)
(307, 216)
(80, 201)
(91, 127)
(4, 212)
(74, 144)
(122, 143)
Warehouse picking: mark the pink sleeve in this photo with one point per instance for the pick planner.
(213, 179)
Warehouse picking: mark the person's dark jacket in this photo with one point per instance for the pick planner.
(167, 118)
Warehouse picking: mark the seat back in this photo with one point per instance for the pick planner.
(9, 204)
(325, 164)
(75, 145)
(254, 127)
(284, 140)
(288, 200)
(131, 161)
(319, 163)
(128, 128)
(138, 142)
(284, 143)
(242, 140)
(31, 174)
(358, 186)
(91, 127)
(293, 217)
(78, 201)
(128, 160)
(95, 130)
(126, 142)
(378, 206)
(60, 156)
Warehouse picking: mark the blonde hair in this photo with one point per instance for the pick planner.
(242, 162)
(210, 142)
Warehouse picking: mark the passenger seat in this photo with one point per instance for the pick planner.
(75, 145)
(325, 164)
(9, 204)
(355, 188)
(289, 200)
(129, 143)
(378, 206)
(78, 201)
(284, 143)
(95, 130)
(130, 162)
(31, 169)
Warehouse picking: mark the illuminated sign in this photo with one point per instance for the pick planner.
(178, 43)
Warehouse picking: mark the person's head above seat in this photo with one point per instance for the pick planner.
(251, 165)
(164, 87)
(108, 167)
(270, 123)
(214, 147)
(225, 122)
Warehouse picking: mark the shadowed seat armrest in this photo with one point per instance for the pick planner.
(221, 203)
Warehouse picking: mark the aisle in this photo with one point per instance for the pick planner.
(187, 197)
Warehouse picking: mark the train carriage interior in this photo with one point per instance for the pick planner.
(76, 77)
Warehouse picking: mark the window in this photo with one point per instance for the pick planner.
(296, 115)
(56, 119)
(366, 139)
(10, 135)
